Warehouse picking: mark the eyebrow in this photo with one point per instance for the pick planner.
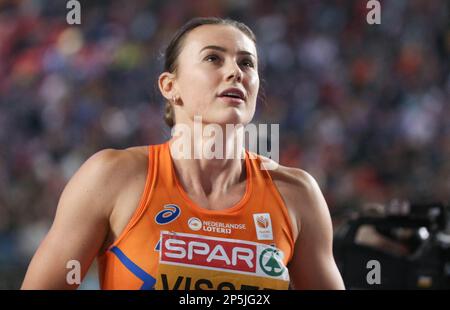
(223, 49)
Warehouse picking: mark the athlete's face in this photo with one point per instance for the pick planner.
(213, 59)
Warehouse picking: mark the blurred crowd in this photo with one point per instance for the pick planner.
(364, 108)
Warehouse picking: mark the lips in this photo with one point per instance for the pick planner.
(233, 93)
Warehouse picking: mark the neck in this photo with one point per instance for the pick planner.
(208, 164)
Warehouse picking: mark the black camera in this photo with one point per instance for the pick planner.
(397, 246)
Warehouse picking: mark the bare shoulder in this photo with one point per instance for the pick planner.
(107, 171)
(295, 181)
(312, 265)
(114, 158)
(126, 175)
(299, 190)
(115, 164)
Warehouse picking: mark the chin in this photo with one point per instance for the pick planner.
(232, 118)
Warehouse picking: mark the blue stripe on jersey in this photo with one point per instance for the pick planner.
(149, 281)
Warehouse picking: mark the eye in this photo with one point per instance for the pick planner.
(212, 58)
(248, 63)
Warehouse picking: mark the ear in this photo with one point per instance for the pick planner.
(166, 83)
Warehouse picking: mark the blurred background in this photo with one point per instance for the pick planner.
(364, 108)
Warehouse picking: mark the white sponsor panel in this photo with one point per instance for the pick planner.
(263, 225)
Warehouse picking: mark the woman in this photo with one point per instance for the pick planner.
(159, 220)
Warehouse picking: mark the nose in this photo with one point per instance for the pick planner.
(234, 73)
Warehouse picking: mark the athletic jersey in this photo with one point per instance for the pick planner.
(172, 243)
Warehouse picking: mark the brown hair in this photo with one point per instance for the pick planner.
(173, 50)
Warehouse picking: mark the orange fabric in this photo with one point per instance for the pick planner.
(171, 243)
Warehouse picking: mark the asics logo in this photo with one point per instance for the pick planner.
(169, 214)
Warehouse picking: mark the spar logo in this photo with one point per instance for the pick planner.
(168, 214)
(271, 262)
(206, 251)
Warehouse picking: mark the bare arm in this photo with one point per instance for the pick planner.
(80, 226)
(313, 265)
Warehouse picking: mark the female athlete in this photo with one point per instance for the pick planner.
(168, 217)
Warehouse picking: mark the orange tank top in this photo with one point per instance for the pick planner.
(171, 243)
